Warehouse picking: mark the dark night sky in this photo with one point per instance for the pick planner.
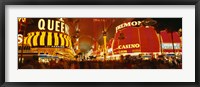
(169, 23)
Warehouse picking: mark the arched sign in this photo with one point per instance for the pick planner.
(133, 23)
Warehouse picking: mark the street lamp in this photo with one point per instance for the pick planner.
(104, 40)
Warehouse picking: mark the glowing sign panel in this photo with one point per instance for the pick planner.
(22, 20)
(20, 38)
(170, 46)
(133, 23)
(53, 25)
(129, 46)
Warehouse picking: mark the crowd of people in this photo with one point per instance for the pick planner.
(123, 63)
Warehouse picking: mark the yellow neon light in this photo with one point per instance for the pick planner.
(35, 39)
(49, 39)
(62, 40)
(29, 39)
(104, 40)
(22, 20)
(65, 36)
(69, 39)
(25, 39)
(56, 39)
(42, 38)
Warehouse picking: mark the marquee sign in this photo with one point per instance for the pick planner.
(53, 25)
(170, 46)
(48, 39)
(127, 46)
(133, 23)
(20, 38)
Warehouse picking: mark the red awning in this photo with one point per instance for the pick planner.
(167, 41)
(132, 36)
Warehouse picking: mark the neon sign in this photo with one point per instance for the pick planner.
(53, 25)
(170, 46)
(129, 46)
(22, 20)
(20, 38)
(133, 23)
